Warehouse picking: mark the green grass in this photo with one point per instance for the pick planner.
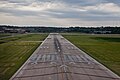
(4, 34)
(16, 51)
(32, 37)
(110, 39)
(27, 37)
(104, 48)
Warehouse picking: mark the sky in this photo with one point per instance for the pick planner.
(60, 12)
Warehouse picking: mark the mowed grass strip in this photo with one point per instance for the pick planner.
(4, 34)
(104, 48)
(14, 53)
(25, 37)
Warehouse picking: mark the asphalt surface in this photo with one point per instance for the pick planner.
(58, 59)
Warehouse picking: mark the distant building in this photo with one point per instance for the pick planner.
(1, 30)
(14, 30)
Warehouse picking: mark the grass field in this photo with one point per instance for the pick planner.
(4, 35)
(104, 48)
(28, 37)
(15, 51)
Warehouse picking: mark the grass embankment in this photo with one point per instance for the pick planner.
(15, 51)
(104, 48)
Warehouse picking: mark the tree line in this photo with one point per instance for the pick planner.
(43, 29)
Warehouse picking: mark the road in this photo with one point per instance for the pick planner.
(58, 59)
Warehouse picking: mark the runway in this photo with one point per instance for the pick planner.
(58, 59)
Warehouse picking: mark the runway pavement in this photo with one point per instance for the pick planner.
(58, 59)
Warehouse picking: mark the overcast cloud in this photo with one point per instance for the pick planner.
(60, 12)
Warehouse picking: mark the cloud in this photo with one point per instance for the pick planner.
(83, 2)
(63, 12)
(105, 7)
